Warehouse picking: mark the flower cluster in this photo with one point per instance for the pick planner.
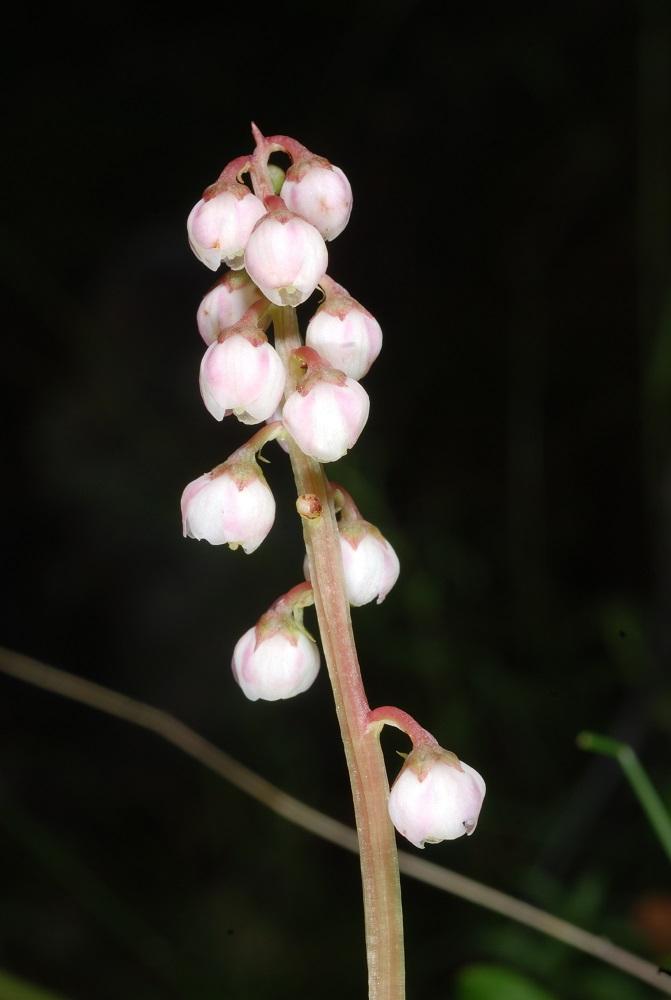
(275, 247)
(272, 235)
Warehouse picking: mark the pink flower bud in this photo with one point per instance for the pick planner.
(320, 193)
(286, 257)
(242, 374)
(232, 505)
(225, 304)
(370, 565)
(220, 224)
(435, 797)
(276, 665)
(345, 334)
(325, 417)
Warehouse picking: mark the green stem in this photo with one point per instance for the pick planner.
(368, 775)
(643, 788)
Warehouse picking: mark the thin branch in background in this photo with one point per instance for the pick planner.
(176, 732)
(643, 788)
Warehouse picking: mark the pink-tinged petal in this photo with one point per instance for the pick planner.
(279, 666)
(216, 509)
(286, 257)
(370, 568)
(327, 421)
(219, 227)
(443, 803)
(225, 304)
(245, 378)
(350, 341)
(189, 493)
(322, 195)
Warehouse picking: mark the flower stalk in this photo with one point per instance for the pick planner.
(277, 234)
(365, 763)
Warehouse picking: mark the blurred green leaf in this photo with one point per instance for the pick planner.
(650, 800)
(12, 988)
(495, 982)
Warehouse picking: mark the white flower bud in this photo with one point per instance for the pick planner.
(327, 419)
(286, 257)
(277, 665)
(232, 505)
(370, 565)
(219, 225)
(435, 797)
(243, 375)
(320, 193)
(346, 335)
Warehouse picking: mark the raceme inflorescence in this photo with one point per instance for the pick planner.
(272, 228)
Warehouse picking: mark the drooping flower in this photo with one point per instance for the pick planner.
(343, 332)
(286, 257)
(232, 505)
(278, 658)
(280, 665)
(370, 565)
(327, 411)
(435, 797)
(320, 193)
(242, 373)
(219, 225)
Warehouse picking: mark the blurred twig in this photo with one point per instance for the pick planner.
(171, 729)
(643, 788)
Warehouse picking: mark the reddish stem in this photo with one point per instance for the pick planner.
(389, 715)
(345, 504)
(285, 144)
(267, 433)
(263, 187)
(368, 776)
(300, 596)
(231, 172)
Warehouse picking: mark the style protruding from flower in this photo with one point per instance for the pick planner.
(285, 255)
(225, 304)
(327, 411)
(278, 658)
(220, 224)
(241, 373)
(319, 192)
(343, 332)
(233, 504)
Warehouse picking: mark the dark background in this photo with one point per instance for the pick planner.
(511, 232)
